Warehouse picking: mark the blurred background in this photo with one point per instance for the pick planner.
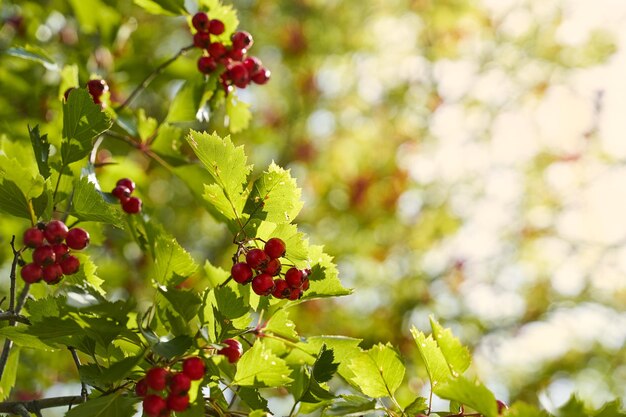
(458, 158)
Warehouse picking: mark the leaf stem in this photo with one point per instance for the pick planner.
(83, 386)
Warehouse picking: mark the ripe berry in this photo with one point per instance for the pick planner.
(153, 405)
(263, 284)
(121, 193)
(216, 27)
(237, 54)
(305, 284)
(60, 250)
(69, 265)
(206, 64)
(501, 406)
(238, 73)
(281, 289)
(256, 258)
(241, 273)
(141, 388)
(52, 273)
(96, 89)
(217, 50)
(294, 277)
(275, 248)
(194, 368)
(126, 182)
(252, 64)
(242, 40)
(272, 267)
(33, 237)
(55, 231)
(156, 378)
(200, 21)
(202, 40)
(178, 402)
(180, 383)
(31, 273)
(262, 76)
(296, 293)
(232, 350)
(44, 255)
(77, 238)
(132, 205)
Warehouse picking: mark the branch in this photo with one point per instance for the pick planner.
(35, 405)
(9, 315)
(83, 386)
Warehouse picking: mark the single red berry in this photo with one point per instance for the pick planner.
(305, 284)
(77, 238)
(296, 293)
(501, 406)
(202, 40)
(242, 40)
(60, 250)
(141, 388)
(238, 74)
(206, 64)
(52, 273)
(252, 64)
(179, 383)
(272, 267)
(153, 405)
(44, 255)
(216, 27)
(237, 54)
(126, 182)
(96, 89)
(31, 273)
(241, 272)
(67, 93)
(263, 284)
(275, 248)
(178, 402)
(232, 350)
(55, 231)
(194, 368)
(33, 237)
(217, 50)
(261, 77)
(256, 258)
(156, 378)
(200, 21)
(281, 289)
(121, 192)
(69, 264)
(294, 277)
(132, 205)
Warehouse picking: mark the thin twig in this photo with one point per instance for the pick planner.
(21, 410)
(83, 386)
(34, 406)
(9, 315)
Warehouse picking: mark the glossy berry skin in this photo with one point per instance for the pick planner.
(156, 378)
(77, 238)
(281, 289)
(44, 255)
(256, 258)
(31, 273)
(272, 267)
(261, 77)
(126, 182)
(121, 193)
(242, 40)
(153, 405)
(96, 89)
(305, 284)
(252, 64)
(132, 205)
(232, 350)
(217, 50)
(238, 74)
(55, 231)
(178, 402)
(60, 250)
(294, 277)
(141, 388)
(69, 265)
(194, 368)
(296, 293)
(180, 383)
(52, 273)
(202, 40)
(206, 64)
(241, 273)
(275, 248)
(263, 284)
(237, 54)
(216, 27)
(33, 237)
(200, 21)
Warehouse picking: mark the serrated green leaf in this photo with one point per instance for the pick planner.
(612, 409)
(214, 195)
(471, 393)
(324, 277)
(252, 398)
(172, 263)
(378, 372)
(184, 302)
(259, 367)
(9, 375)
(417, 406)
(229, 304)
(146, 126)
(350, 405)
(43, 307)
(435, 361)
(325, 366)
(188, 100)
(89, 204)
(168, 141)
(112, 405)
(69, 79)
(344, 349)
(174, 347)
(457, 356)
(12, 200)
(215, 274)
(113, 375)
(238, 113)
(41, 148)
(279, 324)
(23, 339)
(33, 53)
(27, 180)
(164, 7)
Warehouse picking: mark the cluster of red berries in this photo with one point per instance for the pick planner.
(233, 350)
(96, 88)
(266, 263)
(164, 391)
(53, 259)
(236, 68)
(122, 191)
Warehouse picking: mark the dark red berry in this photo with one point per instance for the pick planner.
(202, 40)
(126, 182)
(141, 388)
(178, 402)
(217, 50)
(55, 231)
(237, 54)
(156, 378)
(256, 258)
(33, 237)
(272, 267)
(241, 272)
(206, 64)
(67, 93)
(262, 76)
(194, 368)
(60, 250)
(153, 405)
(296, 293)
(275, 248)
(216, 27)
(52, 273)
(69, 265)
(96, 89)
(232, 350)
(238, 74)
(281, 289)
(31, 273)
(305, 284)
(179, 383)
(501, 406)
(242, 40)
(252, 64)
(294, 277)
(200, 21)
(77, 238)
(44, 255)
(263, 284)
(121, 192)
(132, 205)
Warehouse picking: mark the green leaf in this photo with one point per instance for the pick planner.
(238, 113)
(83, 120)
(23, 339)
(435, 361)
(259, 367)
(146, 126)
(12, 200)
(350, 405)
(10, 373)
(113, 375)
(378, 372)
(41, 147)
(229, 304)
(344, 349)
(572, 408)
(89, 204)
(252, 398)
(417, 406)
(174, 347)
(457, 356)
(471, 393)
(69, 79)
(325, 366)
(168, 141)
(279, 324)
(105, 20)
(184, 302)
(54, 328)
(164, 7)
(33, 53)
(30, 183)
(112, 405)
(185, 106)
(171, 264)
(612, 409)
(520, 409)
(324, 277)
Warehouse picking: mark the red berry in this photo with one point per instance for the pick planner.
(156, 378)
(237, 54)
(262, 76)
(501, 406)
(296, 293)
(263, 284)
(44, 255)
(69, 265)
(242, 40)
(281, 289)
(202, 40)
(178, 402)
(194, 368)
(238, 73)
(126, 182)
(232, 350)
(132, 205)
(256, 258)
(33, 237)
(121, 193)
(252, 64)
(67, 93)
(96, 89)
(60, 250)
(179, 383)
(216, 27)
(206, 64)
(272, 267)
(294, 277)
(200, 21)
(55, 231)
(153, 405)
(217, 50)
(241, 273)
(77, 238)
(52, 273)
(275, 248)
(141, 388)
(305, 284)
(31, 273)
